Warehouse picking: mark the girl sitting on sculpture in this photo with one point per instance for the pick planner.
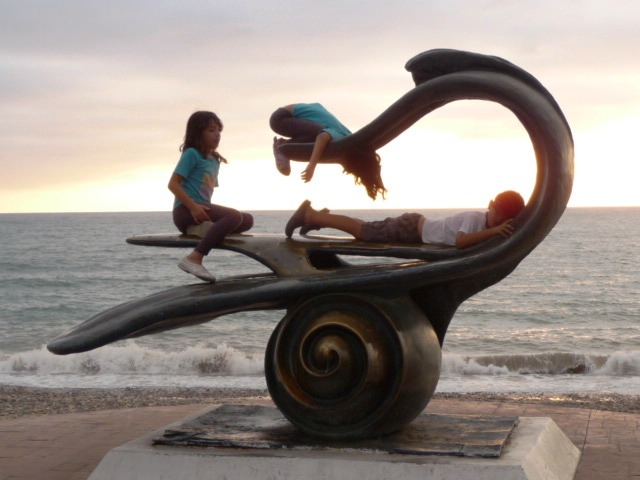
(192, 183)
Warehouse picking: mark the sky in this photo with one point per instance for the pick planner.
(94, 98)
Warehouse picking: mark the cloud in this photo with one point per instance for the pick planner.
(90, 90)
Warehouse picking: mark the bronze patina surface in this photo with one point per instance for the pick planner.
(358, 352)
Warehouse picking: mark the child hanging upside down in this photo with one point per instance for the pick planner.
(462, 230)
(311, 122)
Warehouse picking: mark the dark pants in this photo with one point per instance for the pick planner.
(298, 130)
(225, 221)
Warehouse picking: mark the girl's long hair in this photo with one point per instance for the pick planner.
(364, 165)
(196, 124)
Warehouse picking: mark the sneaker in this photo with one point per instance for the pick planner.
(197, 270)
(297, 219)
(307, 228)
(283, 164)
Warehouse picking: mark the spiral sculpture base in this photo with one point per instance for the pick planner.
(352, 366)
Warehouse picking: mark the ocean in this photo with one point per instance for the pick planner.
(566, 320)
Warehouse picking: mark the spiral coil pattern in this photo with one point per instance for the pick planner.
(337, 365)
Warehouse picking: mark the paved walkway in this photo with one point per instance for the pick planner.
(70, 446)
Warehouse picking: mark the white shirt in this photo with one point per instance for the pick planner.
(444, 231)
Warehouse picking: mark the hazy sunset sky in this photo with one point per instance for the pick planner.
(94, 97)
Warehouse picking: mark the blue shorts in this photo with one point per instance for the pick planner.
(402, 229)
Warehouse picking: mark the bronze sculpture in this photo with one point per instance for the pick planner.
(358, 352)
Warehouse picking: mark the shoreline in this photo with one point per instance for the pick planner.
(17, 401)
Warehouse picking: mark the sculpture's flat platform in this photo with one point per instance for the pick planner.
(536, 449)
(330, 243)
(261, 427)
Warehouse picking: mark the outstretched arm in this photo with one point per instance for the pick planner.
(322, 140)
(466, 240)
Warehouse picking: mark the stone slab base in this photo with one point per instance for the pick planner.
(265, 427)
(536, 449)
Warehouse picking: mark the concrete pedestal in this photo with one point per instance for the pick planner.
(536, 449)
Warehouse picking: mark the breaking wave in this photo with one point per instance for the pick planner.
(622, 363)
(133, 359)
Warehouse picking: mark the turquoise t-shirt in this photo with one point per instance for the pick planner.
(200, 175)
(315, 112)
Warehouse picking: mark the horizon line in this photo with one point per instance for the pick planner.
(576, 207)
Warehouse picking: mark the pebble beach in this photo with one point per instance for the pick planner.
(16, 401)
